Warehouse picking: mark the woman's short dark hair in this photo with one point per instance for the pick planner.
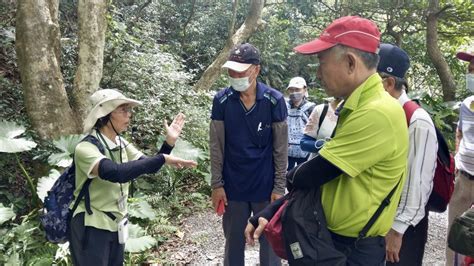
(102, 122)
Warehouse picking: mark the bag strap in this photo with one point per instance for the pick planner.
(409, 108)
(322, 116)
(385, 202)
(84, 193)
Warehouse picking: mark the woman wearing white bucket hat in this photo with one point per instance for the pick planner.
(98, 229)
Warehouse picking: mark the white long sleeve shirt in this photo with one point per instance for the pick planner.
(466, 146)
(422, 154)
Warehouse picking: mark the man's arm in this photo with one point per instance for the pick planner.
(313, 173)
(421, 166)
(280, 155)
(216, 146)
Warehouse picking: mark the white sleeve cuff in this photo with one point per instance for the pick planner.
(400, 227)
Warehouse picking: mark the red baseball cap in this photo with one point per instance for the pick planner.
(464, 56)
(352, 31)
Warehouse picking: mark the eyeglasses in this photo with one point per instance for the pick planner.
(124, 110)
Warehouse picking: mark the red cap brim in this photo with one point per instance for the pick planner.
(313, 47)
(465, 56)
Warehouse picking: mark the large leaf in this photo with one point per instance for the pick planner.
(141, 209)
(186, 150)
(138, 241)
(66, 144)
(45, 183)
(8, 142)
(6, 214)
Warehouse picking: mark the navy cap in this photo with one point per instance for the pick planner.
(393, 60)
(242, 57)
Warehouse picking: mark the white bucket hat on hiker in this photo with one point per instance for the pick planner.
(102, 103)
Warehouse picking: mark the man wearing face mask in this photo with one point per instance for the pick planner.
(248, 148)
(299, 110)
(463, 195)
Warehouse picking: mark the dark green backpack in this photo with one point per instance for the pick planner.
(461, 234)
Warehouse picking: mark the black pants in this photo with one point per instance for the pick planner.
(368, 251)
(413, 244)
(92, 246)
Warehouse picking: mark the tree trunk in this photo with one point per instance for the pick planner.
(92, 27)
(38, 53)
(250, 25)
(444, 72)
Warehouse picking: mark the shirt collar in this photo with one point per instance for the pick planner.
(403, 98)
(108, 143)
(371, 84)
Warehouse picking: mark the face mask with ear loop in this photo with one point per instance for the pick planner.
(240, 84)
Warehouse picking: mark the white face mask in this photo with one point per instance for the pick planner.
(239, 84)
(470, 82)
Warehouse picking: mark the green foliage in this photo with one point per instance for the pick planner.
(45, 183)
(6, 214)
(444, 115)
(8, 141)
(138, 241)
(24, 243)
(66, 144)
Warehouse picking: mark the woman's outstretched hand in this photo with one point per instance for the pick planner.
(179, 163)
(174, 129)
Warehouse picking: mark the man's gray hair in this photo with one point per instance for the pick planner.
(370, 60)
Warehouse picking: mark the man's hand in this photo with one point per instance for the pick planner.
(275, 196)
(252, 234)
(217, 195)
(174, 129)
(393, 243)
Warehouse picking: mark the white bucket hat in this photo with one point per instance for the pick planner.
(102, 103)
(297, 82)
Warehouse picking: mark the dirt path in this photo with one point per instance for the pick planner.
(203, 242)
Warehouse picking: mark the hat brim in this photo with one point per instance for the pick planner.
(236, 66)
(313, 47)
(298, 86)
(465, 56)
(104, 108)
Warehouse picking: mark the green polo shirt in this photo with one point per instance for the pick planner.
(104, 195)
(370, 147)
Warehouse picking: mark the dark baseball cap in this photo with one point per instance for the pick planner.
(242, 57)
(393, 60)
(465, 56)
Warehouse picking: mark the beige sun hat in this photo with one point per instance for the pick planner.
(102, 103)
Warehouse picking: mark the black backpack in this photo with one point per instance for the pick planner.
(307, 239)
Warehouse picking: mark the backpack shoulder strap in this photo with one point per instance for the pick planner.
(385, 202)
(323, 115)
(91, 139)
(84, 193)
(409, 108)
